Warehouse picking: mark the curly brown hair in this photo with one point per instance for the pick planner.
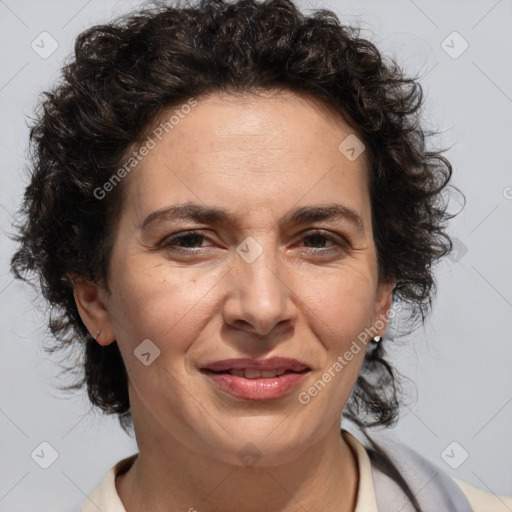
(122, 77)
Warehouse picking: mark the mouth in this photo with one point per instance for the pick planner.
(257, 367)
(251, 373)
(252, 379)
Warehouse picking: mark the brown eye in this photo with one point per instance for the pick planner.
(183, 242)
(321, 238)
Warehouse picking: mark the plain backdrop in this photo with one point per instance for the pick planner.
(459, 414)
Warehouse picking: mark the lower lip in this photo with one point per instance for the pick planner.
(259, 388)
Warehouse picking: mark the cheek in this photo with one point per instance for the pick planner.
(163, 302)
(339, 309)
(342, 302)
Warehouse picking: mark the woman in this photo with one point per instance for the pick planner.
(229, 203)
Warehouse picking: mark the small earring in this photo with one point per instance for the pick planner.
(97, 334)
(377, 339)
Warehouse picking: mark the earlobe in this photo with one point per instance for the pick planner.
(91, 304)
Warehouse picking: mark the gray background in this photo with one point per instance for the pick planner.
(460, 362)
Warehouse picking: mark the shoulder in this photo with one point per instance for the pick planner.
(430, 484)
(105, 497)
(482, 501)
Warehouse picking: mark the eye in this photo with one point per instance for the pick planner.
(192, 242)
(183, 242)
(321, 237)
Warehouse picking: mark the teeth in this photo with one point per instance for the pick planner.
(251, 373)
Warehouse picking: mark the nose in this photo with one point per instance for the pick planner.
(260, 300)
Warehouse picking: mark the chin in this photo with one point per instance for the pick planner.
(258, 449)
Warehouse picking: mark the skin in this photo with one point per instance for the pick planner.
(257, 156)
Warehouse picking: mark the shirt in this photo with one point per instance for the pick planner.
(106, 499)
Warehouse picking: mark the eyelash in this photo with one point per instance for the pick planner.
(169, 244)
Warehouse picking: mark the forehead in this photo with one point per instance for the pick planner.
(257, 121)
(248, 147)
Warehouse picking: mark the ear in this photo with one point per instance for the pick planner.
(91, 302)
(383, 300)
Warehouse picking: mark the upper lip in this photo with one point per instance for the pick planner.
(272, 363)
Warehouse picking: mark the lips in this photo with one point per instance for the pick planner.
(257, 379)
(252, 367)
(251, 373)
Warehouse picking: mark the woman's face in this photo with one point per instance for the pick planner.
(256, 282)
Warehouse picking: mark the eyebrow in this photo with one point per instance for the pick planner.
(213, 215)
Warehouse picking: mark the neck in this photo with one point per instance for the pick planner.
(324, 477)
